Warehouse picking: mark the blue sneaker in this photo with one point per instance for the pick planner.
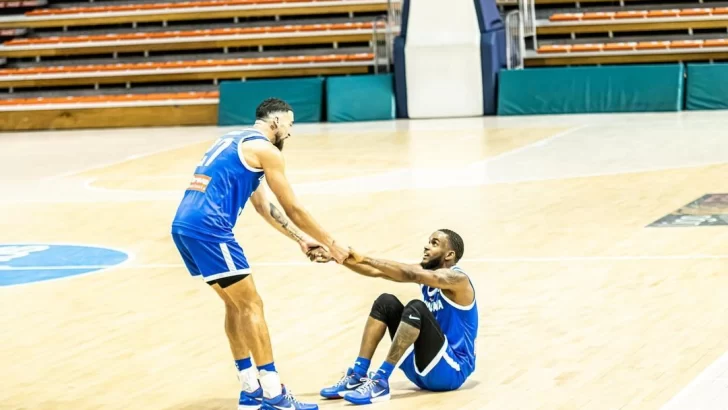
(286, 401)
(371, 391)
(250, 401)
(350, 382)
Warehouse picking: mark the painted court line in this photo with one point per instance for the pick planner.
(123, 160)
(465, 260)
(708, 391)
(87, 183)
(314, 171)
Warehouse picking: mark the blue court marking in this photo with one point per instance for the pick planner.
(27, 263)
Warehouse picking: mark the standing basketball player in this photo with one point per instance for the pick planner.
(433, 340)
(228, 174)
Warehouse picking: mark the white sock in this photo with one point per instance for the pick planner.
(271, 384)
(248, 380)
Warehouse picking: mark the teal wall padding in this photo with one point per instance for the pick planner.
(707, 87)
(238, 100)
(360, 98)
(562, 90)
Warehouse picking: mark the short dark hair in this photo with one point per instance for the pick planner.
(269, 106)
(456, 243)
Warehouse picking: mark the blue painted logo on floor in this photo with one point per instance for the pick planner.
(26, 263)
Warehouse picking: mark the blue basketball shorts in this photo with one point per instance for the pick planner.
(212, 260)
(443, 373)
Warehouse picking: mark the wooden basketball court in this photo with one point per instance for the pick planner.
(583, 306)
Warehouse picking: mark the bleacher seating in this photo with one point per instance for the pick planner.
(128, 99)
(635, 20)
(16, 6)
(189, 40)
(149, 72)
(101, 55)
(185, 11)
(606, 33)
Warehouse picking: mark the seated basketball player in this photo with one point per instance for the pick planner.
(433, 340)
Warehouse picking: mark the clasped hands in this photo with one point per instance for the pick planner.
(317, 253)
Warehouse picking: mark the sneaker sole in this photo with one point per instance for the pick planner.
(248, 407)
(372, 400)
(381, 398)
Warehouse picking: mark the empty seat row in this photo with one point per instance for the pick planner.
(185, 64)
(11, 32)
(193, 95)
(639, 14)
(161, 6)
(100, 15)
(632, 46)
(22, 4)
(191, 33)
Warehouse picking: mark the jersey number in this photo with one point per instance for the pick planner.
(220, 144)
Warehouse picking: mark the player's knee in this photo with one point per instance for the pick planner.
(250, 305)
(417, 305)
(383, 306)
(413, 312)
(230, 308)
(386, 299)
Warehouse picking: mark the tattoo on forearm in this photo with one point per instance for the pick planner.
(409, 274)
(404, 338)
(391, 268)
(283, 221)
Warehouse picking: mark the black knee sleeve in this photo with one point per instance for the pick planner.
(413, 313)
(387, 309)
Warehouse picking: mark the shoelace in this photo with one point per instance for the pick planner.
(289, 397)
(368, 385)
(342, 381)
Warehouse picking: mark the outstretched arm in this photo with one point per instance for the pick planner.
(272, 163)
(366, 270)
(278, 220)
(447, 279)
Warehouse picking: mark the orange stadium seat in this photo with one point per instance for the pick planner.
(598, 16)
(19, 4)
(586, 47)
(631, 46)
(135, 7)
(185, 64)
(191, 33)
(721, 42)
(686, 44)
(653, 45)
(194, 95)
(620, 46)
(639, 14)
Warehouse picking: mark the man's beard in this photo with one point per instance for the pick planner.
(279, 141)
(432, 264)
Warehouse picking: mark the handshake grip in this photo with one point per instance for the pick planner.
(321, 255)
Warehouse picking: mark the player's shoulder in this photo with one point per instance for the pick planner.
(245, 133)
(458, 269)
(258, 144)
(452, 271)
(253, 139)
(457, 275)
(264, 152)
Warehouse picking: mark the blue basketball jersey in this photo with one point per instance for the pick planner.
(458, 323)
(220, 187)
